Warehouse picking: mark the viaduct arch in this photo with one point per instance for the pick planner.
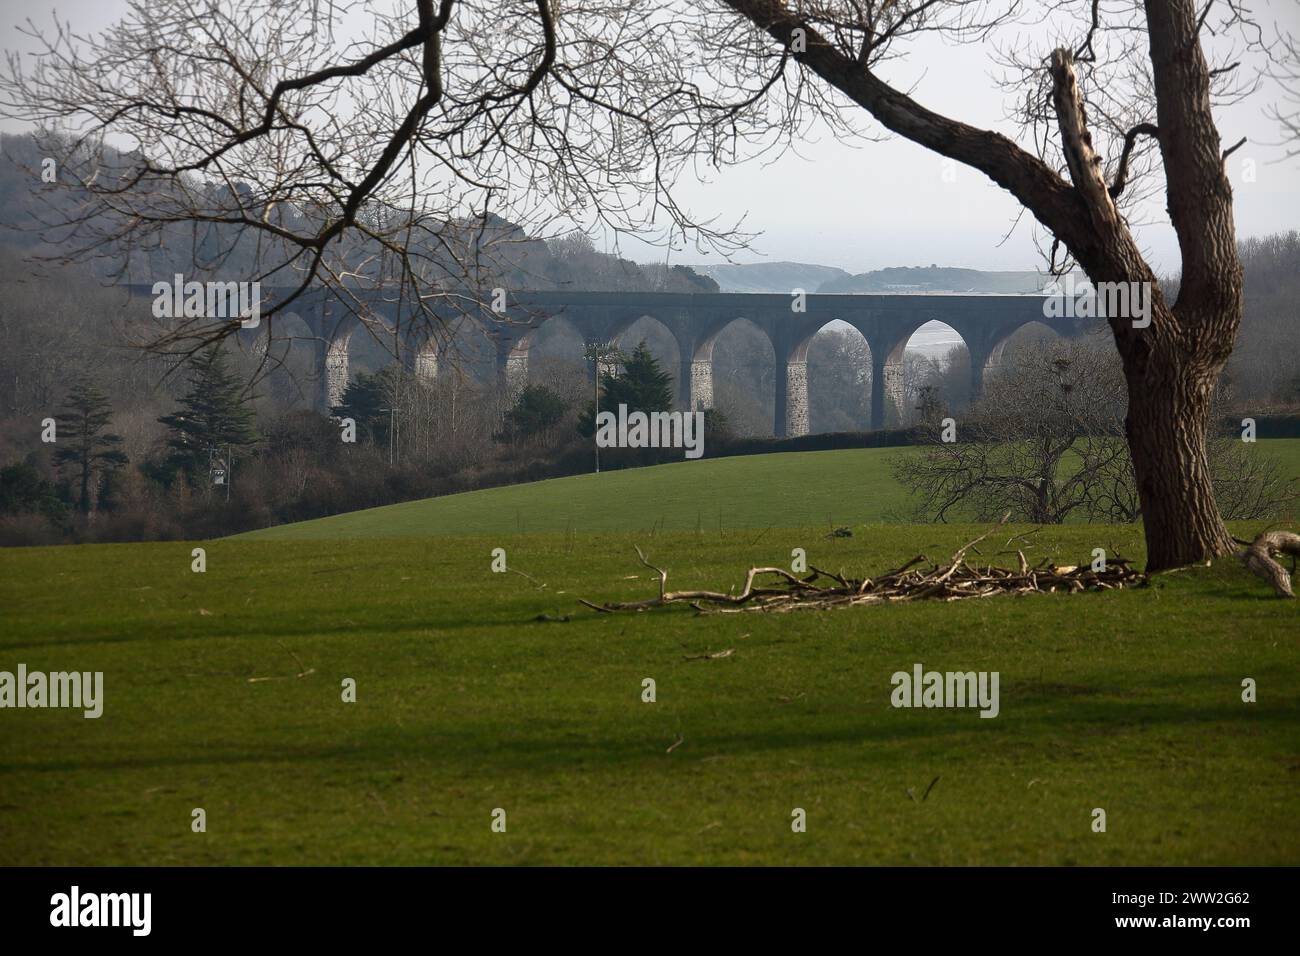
(695, 320)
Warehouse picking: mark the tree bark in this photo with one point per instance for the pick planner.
(1168, 416)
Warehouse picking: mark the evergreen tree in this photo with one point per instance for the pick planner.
(644, 386)
(83, 443)
(368, 401)
(23, 489)
(214, 414)
(537, 410)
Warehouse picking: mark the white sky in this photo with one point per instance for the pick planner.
(886, 203)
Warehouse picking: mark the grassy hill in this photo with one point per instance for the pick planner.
(480, 690)
(796, 489)
(751, 491)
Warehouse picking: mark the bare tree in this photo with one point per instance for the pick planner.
(1265, 366)
(1286, 71)
(1046, 442)
(839, 382)
(936, 382)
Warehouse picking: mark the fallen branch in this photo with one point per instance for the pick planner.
(1259, 559)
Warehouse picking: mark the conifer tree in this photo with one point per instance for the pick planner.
(535, 413)
(644, 386)
(368, 400)
(82, 442)
(214, 414)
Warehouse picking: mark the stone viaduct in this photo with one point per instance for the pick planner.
(984, 322)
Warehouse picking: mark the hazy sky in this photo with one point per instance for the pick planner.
(877, 204)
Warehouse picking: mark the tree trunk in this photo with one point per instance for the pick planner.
(1168, 414)
(1171, 380)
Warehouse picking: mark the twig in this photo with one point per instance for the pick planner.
(711, 657)
(522, 574)
(928, 789)
(663, 575)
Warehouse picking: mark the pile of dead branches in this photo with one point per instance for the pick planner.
(918, 580)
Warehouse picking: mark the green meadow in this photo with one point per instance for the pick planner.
(478, 691)
(793, 489)
(789, 490)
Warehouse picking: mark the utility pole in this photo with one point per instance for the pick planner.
(394, 402)
(392, 420)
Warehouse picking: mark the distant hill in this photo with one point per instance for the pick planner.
(921, 279)
(779, 277)
(493, 251)
(782, 277)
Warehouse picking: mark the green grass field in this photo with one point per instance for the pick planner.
(788, 490)
(223, 691)
(791, 490)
